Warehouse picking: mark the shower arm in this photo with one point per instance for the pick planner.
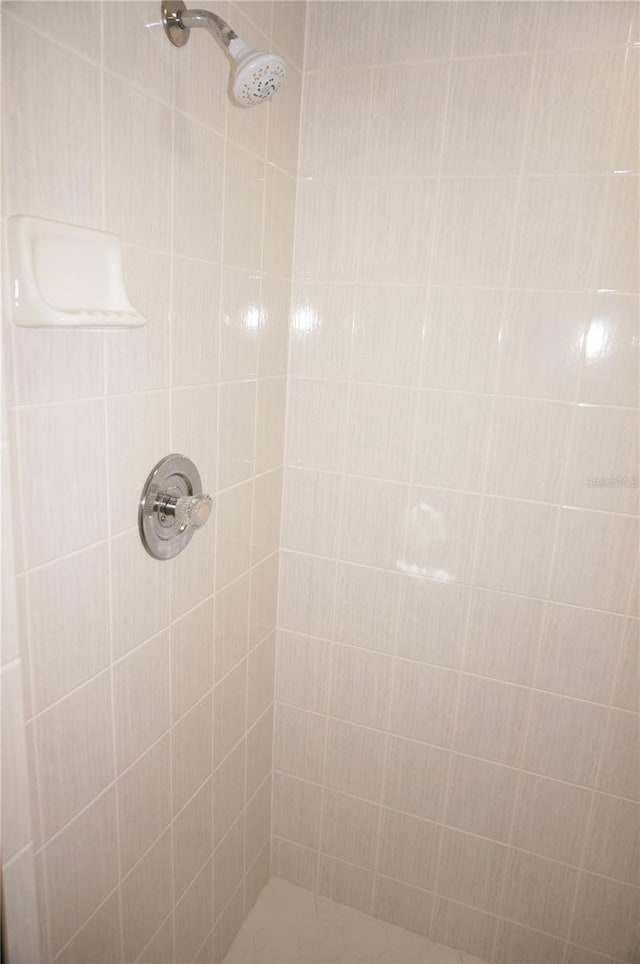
(178, 21)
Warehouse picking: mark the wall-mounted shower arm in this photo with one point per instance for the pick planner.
(178, 21)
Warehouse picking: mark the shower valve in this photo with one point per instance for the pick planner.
(172, 507)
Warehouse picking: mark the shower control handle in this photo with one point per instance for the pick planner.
(190, 510)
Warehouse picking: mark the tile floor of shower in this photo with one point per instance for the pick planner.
(288, 925)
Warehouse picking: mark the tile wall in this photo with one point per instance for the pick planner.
(456, 744)
(149, 686)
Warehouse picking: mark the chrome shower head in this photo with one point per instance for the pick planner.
(255, 76)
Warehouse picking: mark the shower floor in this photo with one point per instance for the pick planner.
(288, 924)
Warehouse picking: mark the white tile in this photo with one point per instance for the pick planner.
(69, 631)
(340, 882)
(231, 639)
(229, 714)
(573, 758)
(392, 209)
(294, 863)
(360, 686)
(197, 193)
(192, 838)
(516, 943)
(311, 504)
(505, 527)
(432, 619)
(366, 607)
(471, 870)
(141, 699)
(194, 412)
(563, 25)
(316, 424)
(200, 80)
(16, 823)
(485, 28)
(307, 590)
(502, 636)
(462, 337)
(57, 364)
(606, 916)
(194, 322)
(334, 123)
(260, 679)
(61, 442)
(602, 471)
(239, 324)
(260, 751)
(288, 28)
(237, 421)
(137, 199)
(373, 522)
(388, 334)
(302, 675)
(402, 905)
(191, 749)
(618, 773)
(443, 417)
(146, 897)
(337, 206)
(229, 792)
(191, 658)
(299, 741)
(267, 496)
(487, 113)
(78, 29)
(613, 839)
(423, 703)
(349, 829)
(140, 599)
(408, 849)
(539, 893)
(258, 823)
(193, 916)
(415, 778)
(331, 29)
(375, 412)
(144, 804)
(296, 810)
(467, 928)
(264, 600)
(354, 760)
(321, 329)
(102, 931)
(441, 531)
(75, 754)
(491, 719)
(612, 348)
(271, 399)
(57, 91)
(244, 193)
(135, 47)
(550, 818)
(481, 797)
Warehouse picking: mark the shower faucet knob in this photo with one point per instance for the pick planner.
(193, 510)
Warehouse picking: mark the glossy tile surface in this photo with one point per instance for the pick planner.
(289, 924)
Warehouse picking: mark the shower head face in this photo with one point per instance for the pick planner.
(256, 77)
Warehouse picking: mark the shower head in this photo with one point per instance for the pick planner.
(255, 76)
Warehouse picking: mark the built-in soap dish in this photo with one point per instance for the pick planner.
(65, 276)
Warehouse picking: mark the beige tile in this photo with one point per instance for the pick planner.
(606, 916)
(257, 876)
(408, 849)
(140, 599)
(441, 529)
(307, 592)
(487, 111)
(137, 50)
(229, 712)
(294, 863)
(231, 625)
(302, 673)
(626, 694)
(354, 760)
(138, 437)
(462, 338)
(54, 89)
(194, 322)
(56, 365)
(491, 719)
(78, 30)
(613, 839)
(244, 189)
(579, 650)
(227, 927)
(194, 915)
(284, 113)
(197, 193)
(414, 32)
(337, 205)
(481, 797)
(415, 778)
(191, 658)
(334, 123)
(228, 792)
(299, 741)
(423, 703)
(99, 938)
(366, 608)
(612, 347)
(360, 686)
(373, 522)
(550, 818)
(316, 427)
(529, 440)
(409, 97)
(539, 893)
(468, 929)
(442, 417)
(74, 748)
(296, 810)
(594, 559)
(603, 463)
(311, 504)
(502, 635)
(147, 894)
(237, 423)
(265, 534)
(491, 28)
(541, 343)
(574, 136)
(160, 950)
(557, 218)
(16, 825)
(348, 884)
(260, 679)
(392, 209)
(258, 823)
(192, 834)
(81, 868)
(349, 829)
(68, 604)
(384, 352)
(61, 441)
(505, 527)
(288, 29)
(273, 339)
(626, 145)
(233, 533)
(471, 870)
(573, 758)
(271, 400)
(375, 412)
(564, 25)
(321, 329)
(137, 202)
(515, 943)
(331, 30)
(200, 80)
(474, 230)
(192, 573)
(191, 752)
(618, 772)
(192, 433)
(402, 905)
(264, 600)
(141, 693)
(144, 803)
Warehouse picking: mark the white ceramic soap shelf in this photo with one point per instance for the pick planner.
(65, 276)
